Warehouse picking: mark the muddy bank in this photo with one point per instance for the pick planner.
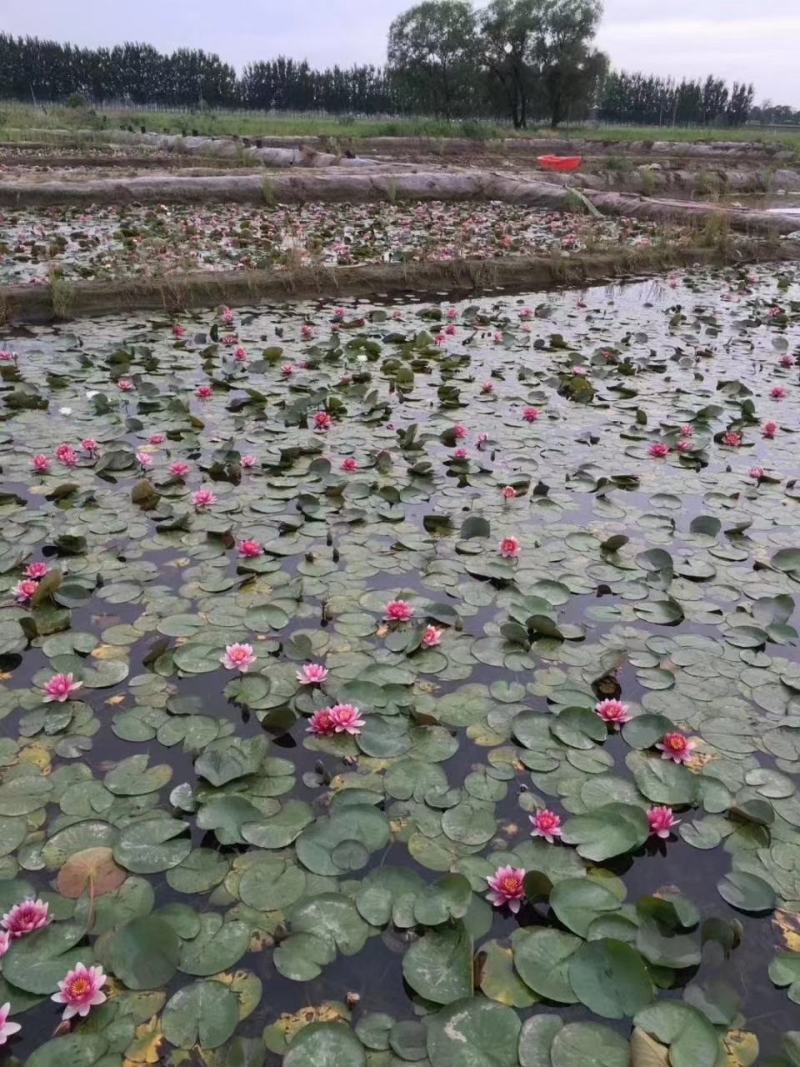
(336, 186)
(20, 304)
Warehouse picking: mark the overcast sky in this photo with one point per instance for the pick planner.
(737, 39)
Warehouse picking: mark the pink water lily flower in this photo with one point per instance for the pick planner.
(346, 719)
(787, 361)
(204, 392)
(338, 313)
(67, 455)
(460, 432)
(507, 887)
(125, 385)
(481, 439)
(778, 393)
(662, 821)
(757, 473)
(322, 421)
(5, 942)
(530, 414)
(248, 462)
(321, 724)
(685, 444)
(179, 470)
(770, 429)
(203, 498)
(546, 824)
(228, 316)
(452, 313)
(487, 388)
(509, 493)
(81, 991)
(41, 464)
(350, 465)
(240, 355)
(510, 547)
(307, 332)
(732, 439)
(580, 371)
(658, 450)
(249, 549)
(238, 657)
(461, 453)
(687, 430)
(677, 747)
(25, 590)
(613, 712)
(26, 917)
(60, 688)
(178, 331)
(90, 445)
(36, 571)
(155, 439)
(399, 611)
(288, 369)
(432, 637)
(7, 1029)
(312, 674)
(144, 459)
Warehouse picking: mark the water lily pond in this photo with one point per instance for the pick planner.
(405, 683)
(137, 240)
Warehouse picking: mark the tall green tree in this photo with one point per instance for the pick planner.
(432, 58)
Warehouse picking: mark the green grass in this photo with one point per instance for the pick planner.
(20, 122)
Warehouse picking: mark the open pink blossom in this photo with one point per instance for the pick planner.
(662, 821)
(440, 339)
(530, 414)
(26, 917)
(770, 429)
(155, 439)
(350, 465)
(450, 330)
(685, 444)
(248, 462)
(230, 339)
(204, 392)
(658, 449)
(613, 712)
(81, 990)
(6, 356)
(580, 371)
(460, 432)
(307, 332)
(687, 430)
(125, 385)
(41, 464)
(510, 547)
(228, 316)
(452, 313)
(499, 337)
(288, 369)
(238, 657)
(487, 388)
(399, 611)
(203, 499)
(249, 549)
(732, 439)
(481, 439)
(346, 719)
(88, 444)
(67, 455)
(36, 571)
(676, 746)
(339, 313)
(787, 361)
(509, 493)
(25, 590)
(526, 314)
(321, 724)
(507, 887)
(179, 470)
(7, 1029)
(178, 331)
(778, 393)
(432, 637)
(461, 453)
(5, 942)
(312, 674)
(144, 459)
(322, 421)
(757, 473)
(240, 355)
(61, 687)
(546, 824)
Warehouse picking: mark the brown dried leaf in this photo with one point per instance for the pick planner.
(93, 869)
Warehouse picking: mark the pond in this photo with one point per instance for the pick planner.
(316, 619)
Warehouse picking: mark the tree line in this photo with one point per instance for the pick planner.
(519, 60)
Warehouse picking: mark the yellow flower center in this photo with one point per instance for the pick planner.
(79, 987)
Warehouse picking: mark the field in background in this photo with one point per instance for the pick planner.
(20, 122)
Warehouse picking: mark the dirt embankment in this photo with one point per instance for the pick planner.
(336, 186)
(171, 293)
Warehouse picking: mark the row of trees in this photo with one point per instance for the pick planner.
(663, 102)
(517, 59)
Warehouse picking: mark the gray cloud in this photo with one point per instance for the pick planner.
(755, 43)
